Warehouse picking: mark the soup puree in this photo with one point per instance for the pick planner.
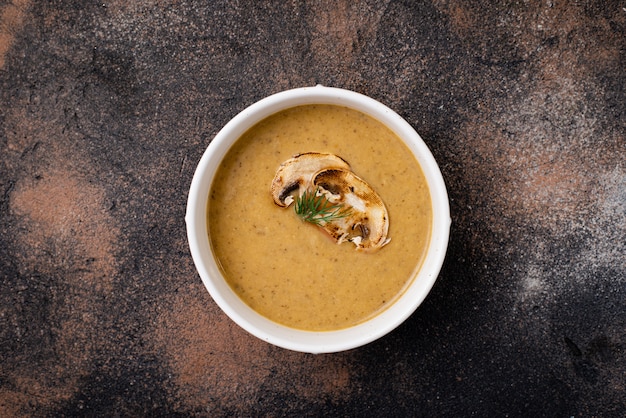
(290, 271)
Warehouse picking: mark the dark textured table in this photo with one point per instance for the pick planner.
(106, 108)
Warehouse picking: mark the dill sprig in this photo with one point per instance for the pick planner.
(314, 207)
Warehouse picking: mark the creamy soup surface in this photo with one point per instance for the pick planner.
(291, 271)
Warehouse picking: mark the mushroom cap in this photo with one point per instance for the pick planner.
(296, 174)
(367, 224)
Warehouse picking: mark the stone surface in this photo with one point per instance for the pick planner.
(106, 107)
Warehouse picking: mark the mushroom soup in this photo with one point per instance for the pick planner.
(291, 271)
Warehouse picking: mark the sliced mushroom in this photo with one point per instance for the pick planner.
(295, 175)
(367, 222)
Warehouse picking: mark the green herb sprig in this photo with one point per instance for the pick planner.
(315, 208)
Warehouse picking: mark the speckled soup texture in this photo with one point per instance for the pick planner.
(106, 108)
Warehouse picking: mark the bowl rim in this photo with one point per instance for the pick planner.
(251, 321)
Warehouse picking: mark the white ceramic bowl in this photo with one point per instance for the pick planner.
(242, 314)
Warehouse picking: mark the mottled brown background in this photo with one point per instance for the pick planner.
(106, 107)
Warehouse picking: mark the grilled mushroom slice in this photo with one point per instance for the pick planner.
(295, 175)
(367, 223)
